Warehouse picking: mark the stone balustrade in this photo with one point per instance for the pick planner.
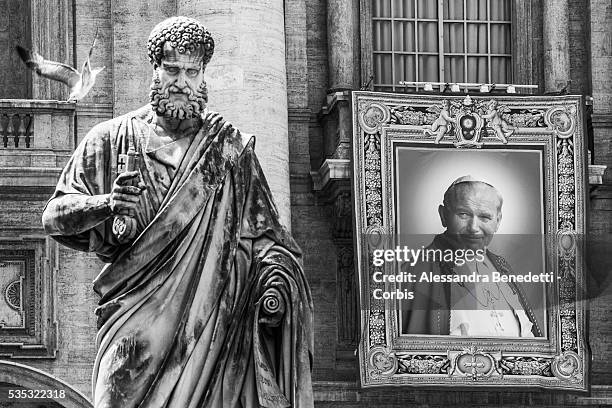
(26, 124)
(36, 139)
(16, 129)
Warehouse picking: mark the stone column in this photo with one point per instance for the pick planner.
(527, 42)
(333, 186)
(51, 23)
(556, 45)
(343, 59)
(601, 66)
(247, 80)
(340, 35)
(132, 21)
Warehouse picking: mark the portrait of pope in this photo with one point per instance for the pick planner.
(471, 213)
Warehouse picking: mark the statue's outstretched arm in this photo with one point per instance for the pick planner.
(73, 214)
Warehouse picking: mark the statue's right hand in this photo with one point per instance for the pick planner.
(125, 195)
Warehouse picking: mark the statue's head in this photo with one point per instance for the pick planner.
(179, 49)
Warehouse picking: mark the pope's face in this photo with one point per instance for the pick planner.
(179, 84)
(472, 216)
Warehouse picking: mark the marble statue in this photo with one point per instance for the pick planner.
(203, 298)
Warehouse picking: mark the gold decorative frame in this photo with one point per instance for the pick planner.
(556, 125)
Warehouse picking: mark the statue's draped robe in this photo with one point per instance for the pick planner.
(209, 305)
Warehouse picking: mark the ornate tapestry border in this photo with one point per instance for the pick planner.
(559, 361)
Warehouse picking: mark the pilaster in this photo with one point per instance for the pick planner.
(331, 182)
(601, 63)
(51, 19)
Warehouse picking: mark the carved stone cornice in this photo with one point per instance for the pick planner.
(301, 115)
(95, 109)
(333, 99)
(334, 174)
(336, 120)
(596, 172)
(37, 106)
(341, 392)
(20, 178)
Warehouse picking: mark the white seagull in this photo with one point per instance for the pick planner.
(79, 82)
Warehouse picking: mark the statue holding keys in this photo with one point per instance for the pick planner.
(124, 226)
(203, 298)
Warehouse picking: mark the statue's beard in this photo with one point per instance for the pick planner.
(178, 109)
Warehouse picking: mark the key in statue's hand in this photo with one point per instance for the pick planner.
(125, 194)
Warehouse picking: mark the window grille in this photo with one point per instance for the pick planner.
(441, 41)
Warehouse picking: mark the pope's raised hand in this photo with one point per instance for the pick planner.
(125, 194)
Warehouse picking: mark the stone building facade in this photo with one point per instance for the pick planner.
(284, 72)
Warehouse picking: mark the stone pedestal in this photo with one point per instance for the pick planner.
(247, 80)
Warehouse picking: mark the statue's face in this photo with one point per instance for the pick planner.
(178, 89)
(473, 215)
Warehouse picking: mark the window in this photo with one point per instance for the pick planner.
(27, 315)
(440, 41)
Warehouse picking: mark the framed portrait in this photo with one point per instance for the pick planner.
(470, 217)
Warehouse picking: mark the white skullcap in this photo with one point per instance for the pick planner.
(469, 179)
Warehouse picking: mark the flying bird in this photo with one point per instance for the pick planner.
(80, 83)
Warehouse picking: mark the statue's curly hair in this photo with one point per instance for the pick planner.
(182, 33)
